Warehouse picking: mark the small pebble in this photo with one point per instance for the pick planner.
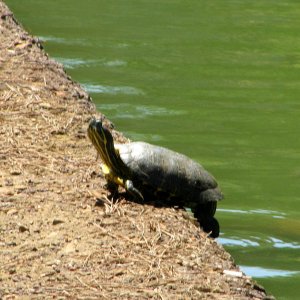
(15, 172)
(57, 221)
(23, 228)
(12, 211)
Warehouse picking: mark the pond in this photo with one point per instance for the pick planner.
(216, 80)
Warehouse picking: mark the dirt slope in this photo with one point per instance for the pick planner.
(60, 236)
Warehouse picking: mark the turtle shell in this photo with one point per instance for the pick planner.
(174, 174)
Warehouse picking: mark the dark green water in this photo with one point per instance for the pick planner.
(216, 80)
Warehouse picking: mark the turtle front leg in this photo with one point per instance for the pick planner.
(133, 191)
(111, 183)
(112, 187)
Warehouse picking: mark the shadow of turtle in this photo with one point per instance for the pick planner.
(201, 214)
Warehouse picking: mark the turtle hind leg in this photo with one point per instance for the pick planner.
(204, 213)
(133, 191)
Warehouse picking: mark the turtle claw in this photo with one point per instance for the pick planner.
(133, 191)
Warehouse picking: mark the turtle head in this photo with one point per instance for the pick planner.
(103, 141)
(101, 138)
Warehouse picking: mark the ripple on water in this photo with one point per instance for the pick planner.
(256, 241)
(144, 137)
(115, 63)
(130, 111)
(259, 272)
(72, 63)
(273, 213)
(238, 242)
(60, 40)
(112, 90)
(277, 243)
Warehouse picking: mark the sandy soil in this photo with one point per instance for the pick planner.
(60, 235)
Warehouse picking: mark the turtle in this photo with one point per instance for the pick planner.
(144, 169)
